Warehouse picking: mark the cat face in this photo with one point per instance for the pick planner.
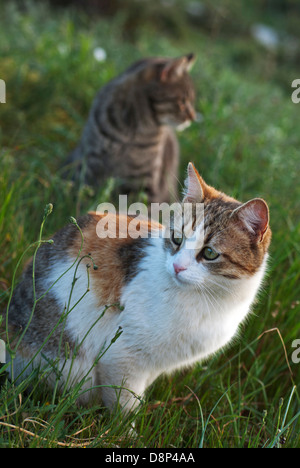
(227, 242)
(170, 90)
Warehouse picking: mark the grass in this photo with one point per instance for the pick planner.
(247, 145)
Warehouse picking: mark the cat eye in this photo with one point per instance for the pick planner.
(176, 240)
(210, 254)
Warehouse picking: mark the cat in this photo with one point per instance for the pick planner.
(129, 133)
(171, 305)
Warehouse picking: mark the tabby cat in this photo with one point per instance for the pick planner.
(129, 133)
(171, 305)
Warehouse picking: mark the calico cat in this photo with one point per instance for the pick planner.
(129, 133)
(171, 304)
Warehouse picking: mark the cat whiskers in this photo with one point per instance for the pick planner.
(223, 287)
(212, 298)
(205, 297)
(209, 297)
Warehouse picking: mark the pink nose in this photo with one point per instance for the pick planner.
(178, 268)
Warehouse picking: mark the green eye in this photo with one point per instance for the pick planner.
(176, 240)
(210, 254)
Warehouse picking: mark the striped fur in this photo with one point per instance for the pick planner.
(172, 305)
(129, 133)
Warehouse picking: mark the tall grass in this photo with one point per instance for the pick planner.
(247, 145)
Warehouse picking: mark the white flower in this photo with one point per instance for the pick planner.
(266, 36)
(197, 9)
(62, 49)
(99, 54)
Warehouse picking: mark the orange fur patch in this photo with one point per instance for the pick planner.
(109, 277)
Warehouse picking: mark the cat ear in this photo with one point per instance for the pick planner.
(175, 68)
(194, 186)
(254, 215)
(191, 59)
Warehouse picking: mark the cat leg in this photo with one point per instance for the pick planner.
(166, 187)
(120, 387)
(169, 181)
